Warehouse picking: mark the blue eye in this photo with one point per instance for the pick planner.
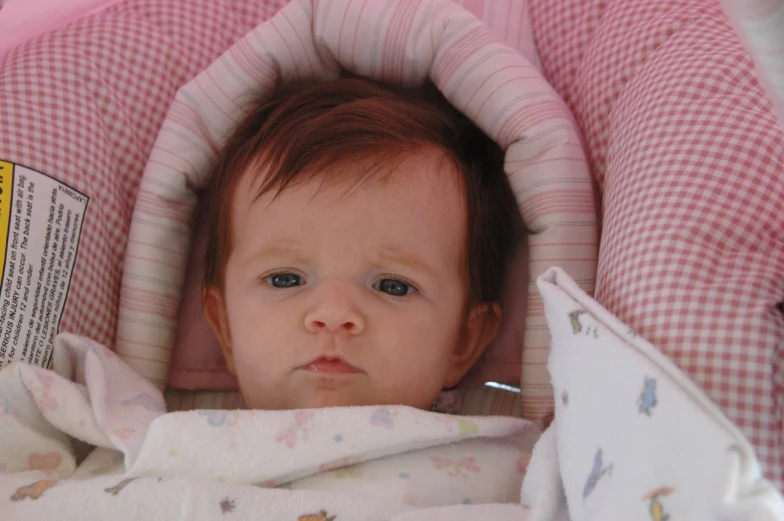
(284, 280)
(394, 287)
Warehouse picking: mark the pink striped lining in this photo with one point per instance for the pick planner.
(409, 40)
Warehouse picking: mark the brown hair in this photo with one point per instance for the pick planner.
(311, 129)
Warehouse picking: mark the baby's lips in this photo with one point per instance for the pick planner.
(330, 365)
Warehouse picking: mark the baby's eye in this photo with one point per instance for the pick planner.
(284, 280)
(394, 287)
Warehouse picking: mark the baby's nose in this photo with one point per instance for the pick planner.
(335, 310)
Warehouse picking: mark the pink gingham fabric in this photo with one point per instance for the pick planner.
(690, 159)
(83, 104)
(398, 42)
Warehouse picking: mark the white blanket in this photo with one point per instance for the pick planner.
(338, 463)
(633, 436)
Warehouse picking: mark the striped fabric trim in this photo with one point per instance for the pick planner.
(403, 43)
(760, 25)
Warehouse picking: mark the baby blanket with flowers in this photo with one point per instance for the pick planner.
(90, 439)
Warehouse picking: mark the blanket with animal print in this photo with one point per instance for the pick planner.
(633, 436)
(90, 439)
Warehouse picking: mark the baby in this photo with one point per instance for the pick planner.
(357, 245)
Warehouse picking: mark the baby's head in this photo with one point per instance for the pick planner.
(357, 245)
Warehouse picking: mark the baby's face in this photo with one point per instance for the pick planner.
(336, 296)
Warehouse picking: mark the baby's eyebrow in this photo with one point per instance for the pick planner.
(277, 250)
(407, 259)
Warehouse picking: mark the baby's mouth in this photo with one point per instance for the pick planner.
(329, 365)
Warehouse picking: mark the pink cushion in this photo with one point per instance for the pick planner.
(689, 157)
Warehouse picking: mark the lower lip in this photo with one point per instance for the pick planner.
(330, 367)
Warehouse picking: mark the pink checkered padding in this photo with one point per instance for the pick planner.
(84, 104)
(690, 160)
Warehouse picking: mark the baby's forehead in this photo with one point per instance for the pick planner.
(418, 192)
(427, 166)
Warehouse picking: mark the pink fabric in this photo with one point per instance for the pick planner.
(689, 156)
(23, 20)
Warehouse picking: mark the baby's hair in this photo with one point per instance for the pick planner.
(307, 130)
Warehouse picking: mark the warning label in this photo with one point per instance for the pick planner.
(40, 226)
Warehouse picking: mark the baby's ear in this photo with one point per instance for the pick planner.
(479, 329)
(215, 312)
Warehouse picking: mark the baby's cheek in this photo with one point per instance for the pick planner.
(256, 381)
(264, 349)
(252, 324)
(420, 362)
